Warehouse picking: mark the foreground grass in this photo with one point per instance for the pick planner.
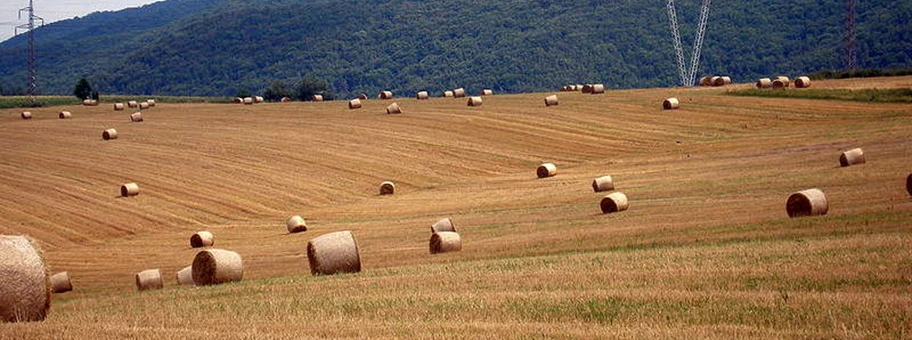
(864, 95)
(9, 102)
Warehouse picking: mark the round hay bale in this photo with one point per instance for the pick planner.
(109, 134)
(551, 100)
(362, 96)
(802, 82)
(726, 80)
(90, 102)
(578, 87)
(810, 202)
(149, 279)
(671, 104)
(129, 189)
(445, 224)
(387, 188)
(716, 81)
(257, 99)
(764, 83)
(217, 266)
(202, 239)
(422, 95)
(459, 93)
(447, 94)
(248, 101)
(132, 104)
(317, 98)
(852, 157)
(144, 106)
(25, 292)
(587, 88)
(237, 100)
(385, 95)
(614, 202)
(565, 88)
(151, 102)
(393, 108)
(26, 115)
(296, 224)
(909, 184)
(546, 170)
(286, 100)
(136, 117)
(598, 89)
(354, 104)
(119, 106)
(487, 92)
(445, 242)
(779, 84)
(64, 115)
(706, 81)
(474, 101)
(185, 276)
(785, 80)
(604, 183)
(334, 253)
(60, 282)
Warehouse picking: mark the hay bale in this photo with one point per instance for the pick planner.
(445, 242)
(119, 106)
(317, 98)
(445, 224)
(64, 115)
(474, 101)
(296, 224)
(422, 95)
(614, 202)
(151, 102)
(551, 100)
(26, 115)
(89, 102)
(785, 80)
(764, 83)
(721, 81)
(604, 183)
(109, 134)
(487, 92)
(448, 94)
(334, 253)
(185, 276)
(217, 266)
(144, 106)
(136, 117)
(385, 95)
(587, 88)
(248, 101)
(671, 104)
(202, 239)
(578, 87)
(459, 93)
(286, 100)
(237, 100)
(779, 84)
(132, 104)
(909, 184)
(852, 157)
(393, 108)
(802, 82)
(387, 188)
(257, 99)
(60, 282)
(25, 293)
(598, 89)
(129, 189)
(726, 80)
(362, 96)
(354, 104)
(706, 81)
(546, 170)
(149, 279)
(810, 202)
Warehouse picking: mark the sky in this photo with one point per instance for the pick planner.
(56, 10)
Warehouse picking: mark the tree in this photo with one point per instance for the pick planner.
(276, 91)
(243, 93)
(310, 86)
(83, 90)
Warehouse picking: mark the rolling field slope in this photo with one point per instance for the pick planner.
(705, 250)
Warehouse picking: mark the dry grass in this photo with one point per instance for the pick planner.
(706, 249)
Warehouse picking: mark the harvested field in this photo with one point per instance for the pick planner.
(705, 250)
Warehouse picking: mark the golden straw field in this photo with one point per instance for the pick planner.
(706, 249)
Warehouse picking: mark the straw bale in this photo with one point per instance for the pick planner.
(149, 279)
(109, 134)
(604, 183)
(445, 242)
(334, 253)
(385, 95)
(546, 170)
(119, 106)
(459, 93)
(802, 82)
(60, 282)
(25, 290)
(444, 224)
(422, 95)
(185, 276)
(64, 115)
(296, 224)
(487, 92)
(202, 239)
(26, 115)
(217, 266)
(551, 100)
(136, 117)
(614, 202)
(318, 98)
(474, 101)
(852, 157)
(764, 83)
(387, 188)
(354, 104)
(671, 104)
(393, 108)
(810, 202)
(129, 189)
(598, 89)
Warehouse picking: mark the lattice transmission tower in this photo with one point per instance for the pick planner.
(687, 74)
(850, 40)
(30, 64)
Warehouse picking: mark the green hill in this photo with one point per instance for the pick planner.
(216, 47)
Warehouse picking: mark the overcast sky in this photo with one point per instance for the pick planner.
(56, 10)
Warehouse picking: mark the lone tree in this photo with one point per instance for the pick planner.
(310, 86)
(83, 90)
